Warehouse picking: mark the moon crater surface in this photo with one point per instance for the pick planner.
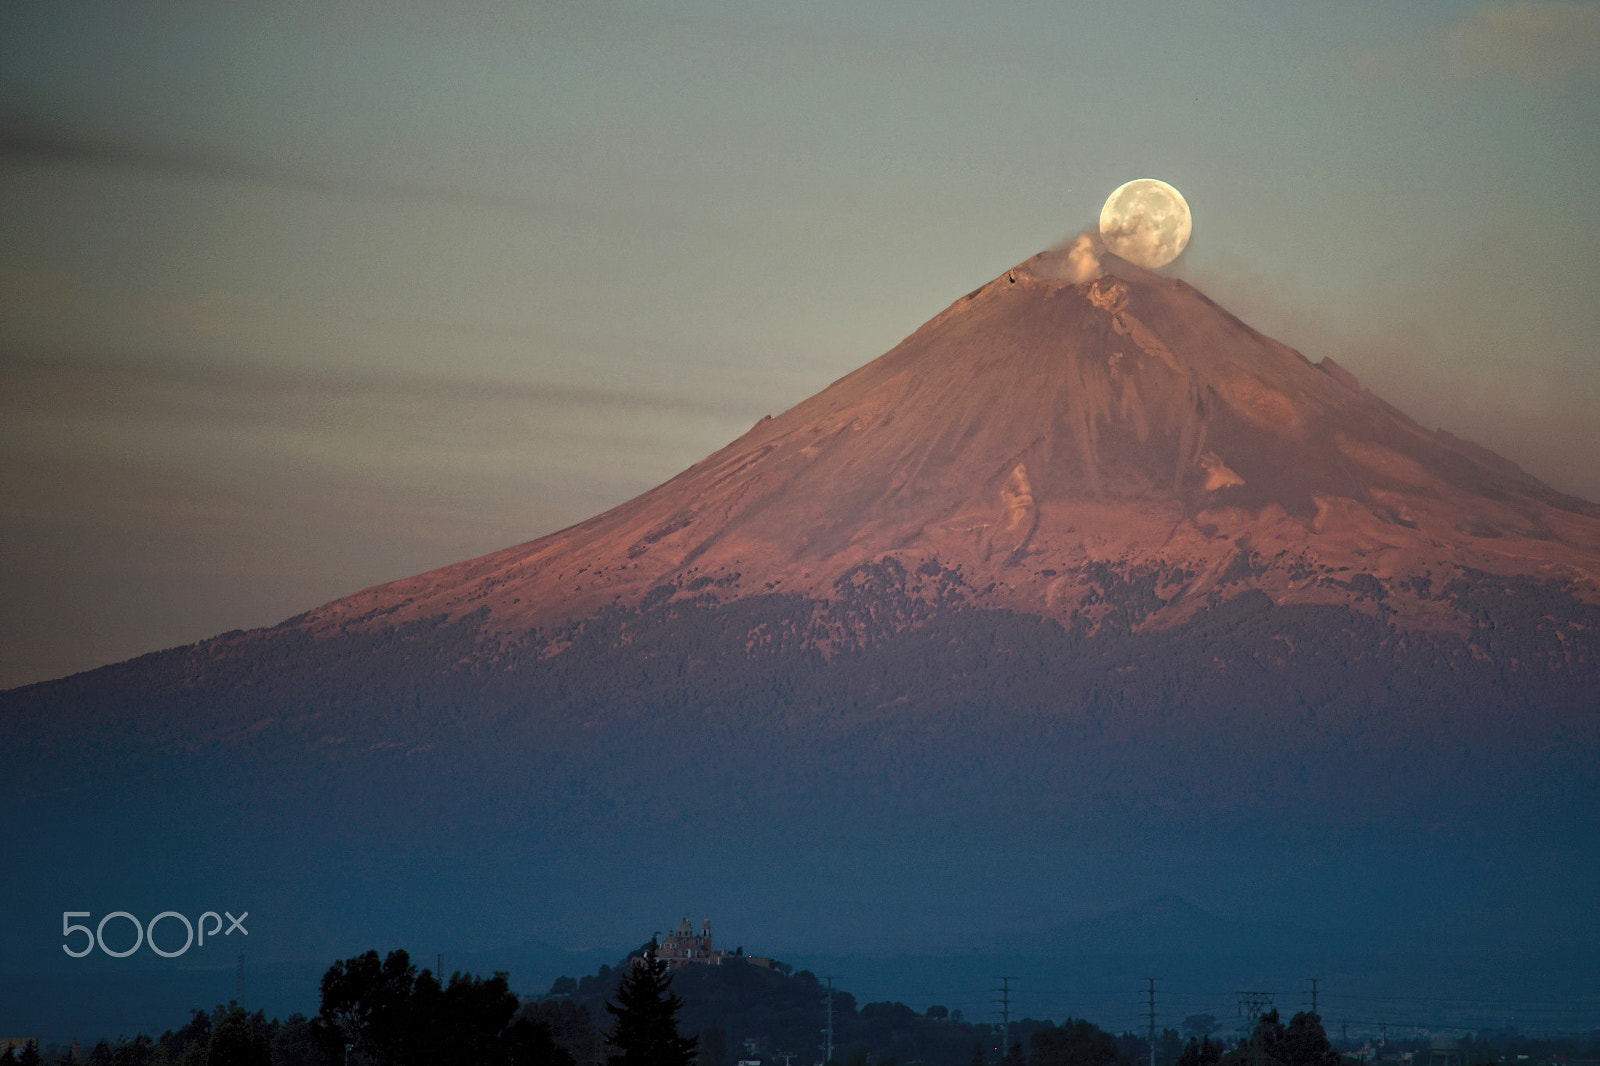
(1146, 221)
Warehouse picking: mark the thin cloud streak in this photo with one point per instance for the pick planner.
(89, 382)
(25, 141)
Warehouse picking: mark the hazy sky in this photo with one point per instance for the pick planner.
(296, 298)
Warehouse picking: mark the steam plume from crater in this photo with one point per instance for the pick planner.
(1077, 260)
(1083, 258)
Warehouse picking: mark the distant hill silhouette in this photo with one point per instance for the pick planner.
(1162, 924)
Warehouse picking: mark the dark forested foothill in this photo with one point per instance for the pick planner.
(744, 1010)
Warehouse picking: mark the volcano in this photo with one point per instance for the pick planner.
(1083, 574)
(1035, 434)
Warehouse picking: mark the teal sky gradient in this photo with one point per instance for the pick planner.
(296, 298)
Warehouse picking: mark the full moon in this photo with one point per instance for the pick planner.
(1146, 222)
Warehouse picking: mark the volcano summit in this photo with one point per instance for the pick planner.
(1088, 579)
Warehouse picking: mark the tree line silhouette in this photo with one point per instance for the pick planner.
(383, 1011)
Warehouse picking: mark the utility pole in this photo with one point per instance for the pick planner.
(827, 1050)
(1314, 997)
(1005, 1015)
(1150, 1016)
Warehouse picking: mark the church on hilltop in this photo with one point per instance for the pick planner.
(683, 946)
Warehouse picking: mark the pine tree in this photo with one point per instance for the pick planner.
(646, 1029)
